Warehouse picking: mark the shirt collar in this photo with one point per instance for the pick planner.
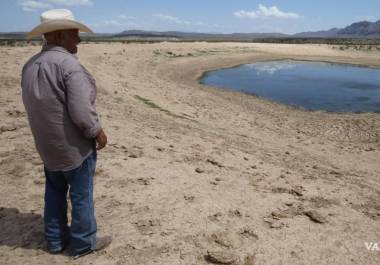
(56, 48)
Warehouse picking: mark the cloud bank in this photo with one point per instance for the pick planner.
(178, 21)
(33, 5)
(265, 12)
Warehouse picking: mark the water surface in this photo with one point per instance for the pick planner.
(309, 85)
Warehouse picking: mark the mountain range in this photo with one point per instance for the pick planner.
(363, 29)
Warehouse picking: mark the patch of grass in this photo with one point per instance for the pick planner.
(150, 103)
(173, 55)
(153, 105)
(356, 47)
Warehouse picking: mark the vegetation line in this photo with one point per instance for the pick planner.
(348, 42)
(153, 105)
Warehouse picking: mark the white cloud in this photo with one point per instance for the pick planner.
(112, 22)
(178, 21)
(125, 17)
(115, 22)
(199, 23)
(171, 19)
(33, 5)
(271, 68)
(265, 12)
(71, 2)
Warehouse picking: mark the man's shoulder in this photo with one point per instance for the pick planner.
(62, 59)
(66, 61)
(70, 64)
(32, 60)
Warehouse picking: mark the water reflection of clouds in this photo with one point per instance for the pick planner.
(271, 68)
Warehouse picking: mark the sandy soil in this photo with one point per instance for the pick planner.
(192, 173)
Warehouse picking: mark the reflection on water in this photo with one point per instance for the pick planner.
(310, 85)
(271, 67)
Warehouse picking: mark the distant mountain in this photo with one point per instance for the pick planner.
(197, 35)
(332, 33)
(363, 29)
(13, 35)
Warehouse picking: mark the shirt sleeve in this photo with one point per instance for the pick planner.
(80, 96)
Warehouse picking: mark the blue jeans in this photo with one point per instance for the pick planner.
(81, 235)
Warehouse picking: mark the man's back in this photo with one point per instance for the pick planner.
(59, 96)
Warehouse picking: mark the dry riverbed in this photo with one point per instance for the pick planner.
(198, 175)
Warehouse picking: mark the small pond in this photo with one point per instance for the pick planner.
(309, 85)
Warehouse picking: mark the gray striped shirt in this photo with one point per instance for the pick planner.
(59, 97)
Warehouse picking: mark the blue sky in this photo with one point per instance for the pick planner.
(223, 16)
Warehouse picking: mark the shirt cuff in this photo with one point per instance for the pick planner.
(93, 132)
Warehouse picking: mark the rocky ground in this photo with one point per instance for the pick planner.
(200, 175)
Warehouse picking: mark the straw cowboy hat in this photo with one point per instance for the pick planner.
(57, 19)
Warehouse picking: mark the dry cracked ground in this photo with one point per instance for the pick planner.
(199, 175)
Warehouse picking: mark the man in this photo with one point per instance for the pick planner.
(59, 97)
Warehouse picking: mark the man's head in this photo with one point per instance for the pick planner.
(68, 39)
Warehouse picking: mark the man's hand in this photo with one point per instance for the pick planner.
(101, 140)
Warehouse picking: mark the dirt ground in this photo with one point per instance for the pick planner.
(194, 174)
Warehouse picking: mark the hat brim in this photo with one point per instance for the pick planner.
(54, 25)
